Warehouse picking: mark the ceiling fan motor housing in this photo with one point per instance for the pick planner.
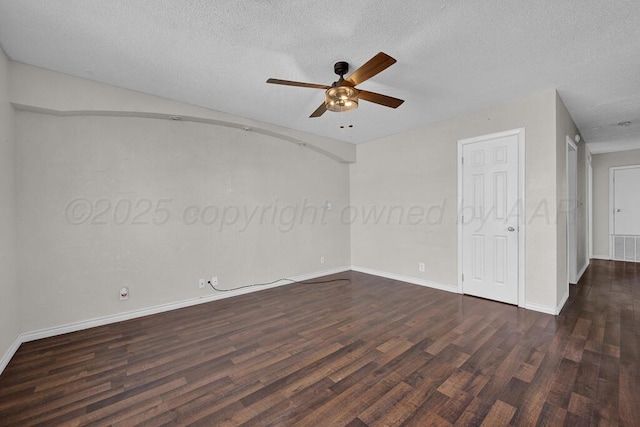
(341, 68)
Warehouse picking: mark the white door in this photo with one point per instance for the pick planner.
(490, 218)
(625, 210)
(626, 201)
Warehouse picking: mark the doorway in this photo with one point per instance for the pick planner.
(624, 204)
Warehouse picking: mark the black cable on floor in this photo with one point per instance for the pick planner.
(276, 281)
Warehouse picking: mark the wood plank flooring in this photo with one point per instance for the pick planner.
(364, 352)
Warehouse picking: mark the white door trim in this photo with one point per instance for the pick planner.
(520, 133)
(571, 227)
(590, 197)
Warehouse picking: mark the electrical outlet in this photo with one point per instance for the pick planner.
(124, 293)
(421, 267)
(214, 281)
(321, 260)
(201, 283)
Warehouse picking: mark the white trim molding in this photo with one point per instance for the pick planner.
(582, 270)
(119, 317)
(99, 321)
(454, 288)
(546, 309)
(540, 308)
(571, 227)
(408, 279)
(9, 353)
(562, 302)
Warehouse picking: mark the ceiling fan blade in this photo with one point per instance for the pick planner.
(319, 111)
(370, 68)
(299, 84)
(377, 98)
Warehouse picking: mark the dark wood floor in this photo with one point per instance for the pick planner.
(363, 353)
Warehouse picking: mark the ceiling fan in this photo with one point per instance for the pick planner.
(342, 95)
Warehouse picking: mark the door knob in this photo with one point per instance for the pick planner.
(618, 210)
(511, 229)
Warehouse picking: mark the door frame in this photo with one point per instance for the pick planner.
(590, 207)
(612, 171)
(520, 133)
(572, 229)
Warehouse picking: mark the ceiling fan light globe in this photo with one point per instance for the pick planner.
(341, 98)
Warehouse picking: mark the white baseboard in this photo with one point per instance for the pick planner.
(603, 257)
(453, 288)
(408, 279)
(582, 270)
(546, 309)
(119, 317)
(563, 301)
(9, 353)
(541, 308)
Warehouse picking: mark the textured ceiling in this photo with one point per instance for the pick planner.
(453, 56)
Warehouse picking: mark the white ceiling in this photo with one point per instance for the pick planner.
(453, 56)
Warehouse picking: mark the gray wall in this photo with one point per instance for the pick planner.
(34, 88)
(156, 205)
(106, 200)
(418, 169)
(9, 323)
(601, 164)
